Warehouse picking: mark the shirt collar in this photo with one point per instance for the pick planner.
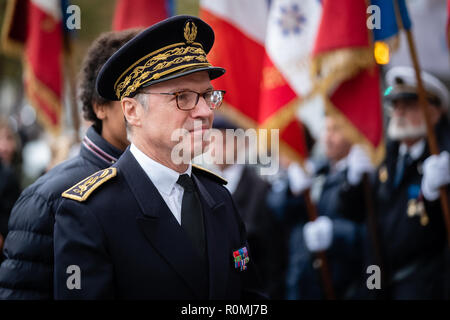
(162, 177)
(415, 151)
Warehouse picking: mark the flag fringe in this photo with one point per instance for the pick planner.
(289, 152)
(283, 116)
(331, 68)
(236, 116)
(377, 153)
(35, 88)
(246, 122)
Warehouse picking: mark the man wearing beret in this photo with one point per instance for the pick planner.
(412, 235)
(150, 226)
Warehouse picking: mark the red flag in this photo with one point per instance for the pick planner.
(257, 93)
(39, 29)
(347, 74)
(342, 47)
(140, 13)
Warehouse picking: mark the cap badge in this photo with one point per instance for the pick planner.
(190, 32)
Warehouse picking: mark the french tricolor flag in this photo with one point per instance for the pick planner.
(141, 13)
(264, 46)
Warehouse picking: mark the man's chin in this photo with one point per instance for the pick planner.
(199, 147)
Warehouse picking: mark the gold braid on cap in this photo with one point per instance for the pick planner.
(164, 61)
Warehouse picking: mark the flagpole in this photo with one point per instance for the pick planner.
(372, 226)
(320, 256)
(70, 67)
(431, 137)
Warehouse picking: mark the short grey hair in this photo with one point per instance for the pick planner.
(143, 100)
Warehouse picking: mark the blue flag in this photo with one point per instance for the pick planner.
(389, 23)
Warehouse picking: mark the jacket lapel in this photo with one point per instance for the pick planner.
(160, 227)
(216, 239)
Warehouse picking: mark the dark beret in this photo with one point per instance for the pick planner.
(169, 49)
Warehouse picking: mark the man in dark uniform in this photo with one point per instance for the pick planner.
(153, 226)
(412, 235)
(331, 231)
(27, 272)
(249, 192)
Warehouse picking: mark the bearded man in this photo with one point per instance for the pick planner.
(410, 226)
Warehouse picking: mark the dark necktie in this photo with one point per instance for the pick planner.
(402, 163)
(192, 214)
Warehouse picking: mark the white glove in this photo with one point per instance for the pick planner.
(318, 234)
(436, 173)
(299, 180)
(358, 164)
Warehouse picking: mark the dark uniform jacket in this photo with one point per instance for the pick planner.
(264, 232)
(344, 255)
(412, 240)
(127, 243)
(27, 272)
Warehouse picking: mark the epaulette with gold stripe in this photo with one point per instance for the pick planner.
(210, 174)
(83, 189)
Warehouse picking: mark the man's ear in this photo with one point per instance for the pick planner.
(100, 111)
(130, 109)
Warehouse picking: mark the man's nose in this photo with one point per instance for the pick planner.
(201, 110)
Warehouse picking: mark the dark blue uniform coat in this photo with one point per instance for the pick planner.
(27, 272)
(128, 244)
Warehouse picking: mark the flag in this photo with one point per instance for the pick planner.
(390, 21)
(347, 75)
(357, 102)
(393, 16)
(430, 37)
(43, 61)
(291, 31)
(240, 30)
(38, 31)
(141, 13)
(342, 47)
(258, 94)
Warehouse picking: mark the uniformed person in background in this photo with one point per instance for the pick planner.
(409, 219)
(27, 272)
(332, 231)
(9, 178)
(151, 226)
(249, 192)
(9, 192)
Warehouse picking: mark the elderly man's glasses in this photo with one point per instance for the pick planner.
(188, 99)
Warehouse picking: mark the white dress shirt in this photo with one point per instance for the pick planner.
(164, 179)
(415, 151)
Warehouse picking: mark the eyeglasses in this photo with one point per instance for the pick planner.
(188, 99)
